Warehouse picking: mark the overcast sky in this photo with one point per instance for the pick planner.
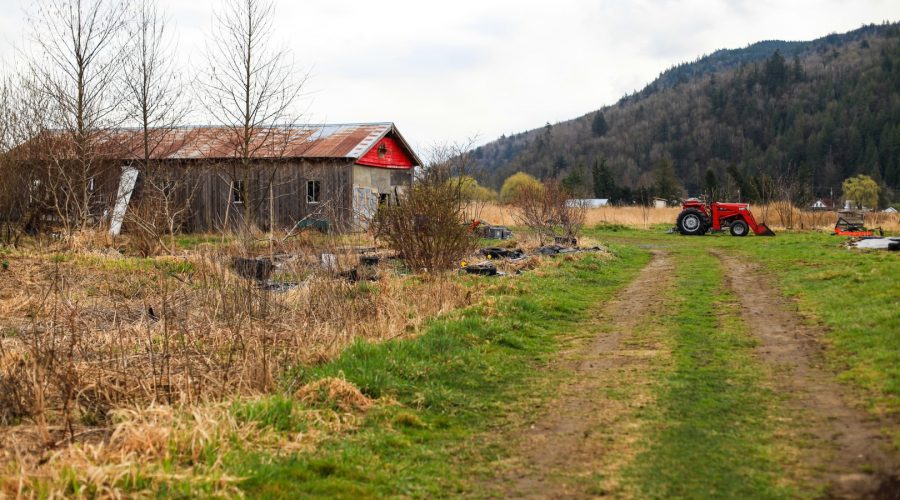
(445, 71)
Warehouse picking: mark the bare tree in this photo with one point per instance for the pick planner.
(23, 141)
(251, 87)
(546, 210)
(80, 47)
(154, 91)
(453, 163)
(152, 82)
(767, 190)
(790, 191)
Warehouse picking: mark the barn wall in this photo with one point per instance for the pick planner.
(370, 183)
(213, 199)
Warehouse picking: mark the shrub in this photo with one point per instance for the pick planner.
(427, 227)
(545, 210)
(516, 184)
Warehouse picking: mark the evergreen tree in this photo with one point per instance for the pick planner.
(599, 127)
(797, 71)
(776, 73)
(604, 184)
(710, 184)
(574, 183)
(559, 165)
(748, 191)
(667, 186)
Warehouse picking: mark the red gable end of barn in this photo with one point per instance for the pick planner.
(388, 153)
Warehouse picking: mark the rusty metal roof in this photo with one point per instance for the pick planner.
(348, 141)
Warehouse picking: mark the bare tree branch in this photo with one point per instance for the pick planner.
(80, 48)
(249, 88)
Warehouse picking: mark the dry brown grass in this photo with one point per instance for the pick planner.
(163, 444)
(626, 216)
(644, 217)
(335, 391)
(107, 360)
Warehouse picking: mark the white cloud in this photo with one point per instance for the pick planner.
(449, 70)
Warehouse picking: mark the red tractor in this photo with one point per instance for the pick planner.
(696, 218)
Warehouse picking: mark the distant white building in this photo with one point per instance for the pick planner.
(588, 203)
(890, 210)
(819, 205)
(660, 203)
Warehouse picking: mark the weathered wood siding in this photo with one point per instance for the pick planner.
(213, 208)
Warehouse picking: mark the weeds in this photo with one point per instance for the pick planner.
(97, 334)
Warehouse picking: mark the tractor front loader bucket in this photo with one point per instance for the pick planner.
(763, 230)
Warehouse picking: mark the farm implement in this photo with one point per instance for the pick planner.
(852, 223)
(697, 218)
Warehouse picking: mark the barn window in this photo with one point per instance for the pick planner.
(237, 191)
(382, 151)
(313, 191)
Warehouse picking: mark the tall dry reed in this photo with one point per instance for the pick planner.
(85, 334)
(641, 217)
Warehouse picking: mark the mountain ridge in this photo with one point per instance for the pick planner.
(821, 110)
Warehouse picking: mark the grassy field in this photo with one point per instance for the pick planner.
(716, 429)
(441, 413)
(645, 217)
(456, 381)
(851, 296)
(713, 417)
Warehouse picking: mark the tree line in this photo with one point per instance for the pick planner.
(822, 115)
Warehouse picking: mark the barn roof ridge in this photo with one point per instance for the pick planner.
(195, 142)
(274, 125)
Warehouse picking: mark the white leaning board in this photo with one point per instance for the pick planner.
(126, 187)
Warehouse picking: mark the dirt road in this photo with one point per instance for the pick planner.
(846, 444)
(561, 445)
(575, 440)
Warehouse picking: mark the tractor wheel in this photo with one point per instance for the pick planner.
(739, 228)
(691, 222)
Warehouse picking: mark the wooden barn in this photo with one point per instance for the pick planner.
(335, 175)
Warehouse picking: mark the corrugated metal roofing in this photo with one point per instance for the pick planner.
(350, 141)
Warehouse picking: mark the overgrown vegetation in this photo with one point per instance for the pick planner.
(545, 210)
(431, 223)
(89, 334)
(433, 389)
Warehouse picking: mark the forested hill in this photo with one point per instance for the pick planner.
(818, 111)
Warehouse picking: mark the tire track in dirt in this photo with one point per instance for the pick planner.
(849, 449)
(562, 445)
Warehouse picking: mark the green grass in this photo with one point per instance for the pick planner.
(195, 241)
(856, 295)
(452, 384)
(852, 296)
(712, 432)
